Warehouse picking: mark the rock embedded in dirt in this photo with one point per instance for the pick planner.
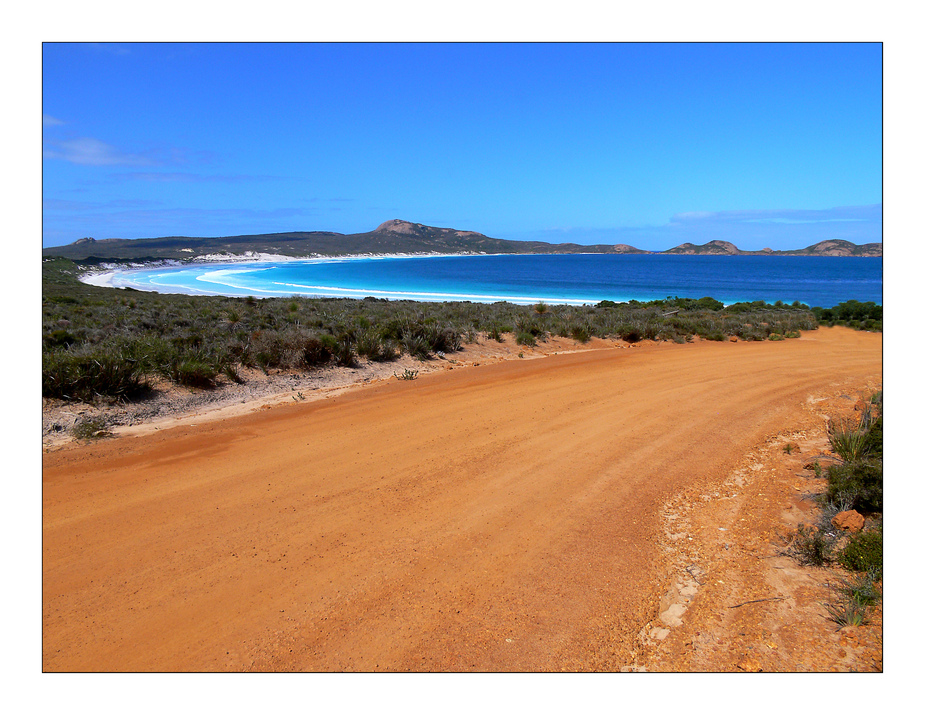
(849, 521)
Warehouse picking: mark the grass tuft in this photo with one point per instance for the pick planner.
(811, 546)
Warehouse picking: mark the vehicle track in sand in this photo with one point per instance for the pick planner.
(499, 518)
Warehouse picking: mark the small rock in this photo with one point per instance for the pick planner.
(733, 339)
(849, 521)
(672, 617)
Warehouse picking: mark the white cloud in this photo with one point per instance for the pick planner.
(91, 152)
(871, 213)
(50, 121)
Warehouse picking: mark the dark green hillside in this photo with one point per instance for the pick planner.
(391, 237)
(394, 236)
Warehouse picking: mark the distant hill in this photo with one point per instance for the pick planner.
(713, 248)
(391, 237)
(823, 248)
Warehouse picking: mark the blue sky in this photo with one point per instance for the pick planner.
(653, 145)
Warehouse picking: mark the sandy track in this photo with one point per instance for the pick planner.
(492, 519)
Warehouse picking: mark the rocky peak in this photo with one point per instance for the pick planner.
(398, 226)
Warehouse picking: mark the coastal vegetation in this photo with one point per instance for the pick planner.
(855, 483)
(108, 342)
(853, 314)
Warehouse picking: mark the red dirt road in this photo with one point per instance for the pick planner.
(488, 519)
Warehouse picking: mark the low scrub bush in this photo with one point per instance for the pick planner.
(496, 332)
(528, 324)
(194, 371)
(863, 552)
(629, 333)
(90, 428)
(862, 588)
(860, 316)
(88, 375)
(849, 442)
(812, 546)
(371, 346)
(581, 333)
(856, 596)
(857, 485)
(343, 351)
(416, 346)
(315, 352)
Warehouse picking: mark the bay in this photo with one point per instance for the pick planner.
(556, 279)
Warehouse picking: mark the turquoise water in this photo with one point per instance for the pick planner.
(569, 279)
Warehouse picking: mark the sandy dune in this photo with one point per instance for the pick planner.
(489, 519)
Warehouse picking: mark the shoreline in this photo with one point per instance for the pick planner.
(214, 275)
(106, 276)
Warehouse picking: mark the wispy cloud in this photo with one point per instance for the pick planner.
(91, 152)
(50, 121)
(68, 205)
(872, 212)
(191, 177)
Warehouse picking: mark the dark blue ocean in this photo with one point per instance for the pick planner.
(571, 279)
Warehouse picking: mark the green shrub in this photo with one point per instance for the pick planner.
(858, 485)
(416, 346)
(528, 324)
(629, 333)
(855, 597)
(370, 345)
(315, 352)
(851, 313)
(59, 339)
(811, 546)
(90, 374)
(193, 371)
(229, 371)
(873, 447)
(343, 352)
(863, 552)
(90, 428)
(862, 589)
(526, 338)
(581, 333)
(495, 332)
(847, 613)
(849, 442)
